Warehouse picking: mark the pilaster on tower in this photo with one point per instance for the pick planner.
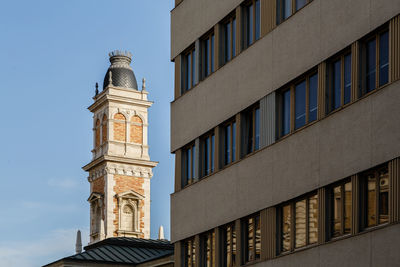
(120, 170)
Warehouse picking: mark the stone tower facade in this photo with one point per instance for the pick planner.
(120, 170)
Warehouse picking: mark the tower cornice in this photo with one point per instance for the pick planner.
(116, 159)
(112, 98)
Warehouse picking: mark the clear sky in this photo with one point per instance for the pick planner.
(52, 53)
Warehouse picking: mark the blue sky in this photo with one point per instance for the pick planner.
(52, 53)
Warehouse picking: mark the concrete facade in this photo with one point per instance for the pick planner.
(342, 144)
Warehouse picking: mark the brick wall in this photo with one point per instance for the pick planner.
(136, 130)
(125, 183)
(119, 128)
(104, 129)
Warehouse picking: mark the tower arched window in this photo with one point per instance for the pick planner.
(97, 219)
(119, 127)
(136, 135)
(97, 130)
(104, 129)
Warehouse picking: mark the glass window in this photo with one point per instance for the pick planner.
(384, 58)
(340, 201)
(300, 104)
(300, 4)
(208, 151)
(251, 130)
(207, 257)
(286, 233)
(229, 142)
(229, 245)
(188, 70)
(253, 22)
(375, 196)
(189, 253)
(371, 65)
(188, 160)
(304, 223)
(207, 54)
(286, 113)
(347, 79)
(339, 91)
(313, 98)
(229, 40)
(252, 238)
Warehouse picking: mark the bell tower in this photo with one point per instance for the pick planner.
(121, 169)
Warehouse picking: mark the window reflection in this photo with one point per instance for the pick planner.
(300, 104)
(300, 226)
(313, 219)
(252, 238)
(286, 228)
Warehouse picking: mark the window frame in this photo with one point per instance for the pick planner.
(292, 205)
(329, 94)
(188, 180)
(245, 29)
(210, 158)
(207, 61)
(246, 114)
(229, 20)
(233, 142)
(189, 252)
(291, 87)
(280, 10)
(208, 240)
(330, 209)
(364, 198)
(228, 259)
(245, 240)
(363, 91)
(188, 81)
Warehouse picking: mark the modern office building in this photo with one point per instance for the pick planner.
(285, 127)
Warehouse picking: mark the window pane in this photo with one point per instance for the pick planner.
(206, 57)
(337, 211)
(371, 68)
(193, 161)
(227, 247)
(249, 132)
(212, 152)
(300, 4)
(257, 129)
(227, 42)
(286, 113)
(287, 8)
(286, 228)
(233, 37)
(300, 223)
(249, 25)
(383, 195)
(193, 67)
(188, 164)
(336, 84)
(257, 33)
(206, 157)
(383, 58)
(233, 245)
(212, 53)
(371, 200)
(347, 79)
(313, 219)
(250, 236)
(188, 71)
(347, 207)
(193, 253)
(258, 237)
(313, 98)
(233, 141)
(300, 104)
(227, 144)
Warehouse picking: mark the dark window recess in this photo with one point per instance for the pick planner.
(207, 154)
(188, 70)
(229, 39)
(251, 130)
(189, 253)
(252, 21)
(207, 249)
(228, 243)
(207, 54)
(229, 142)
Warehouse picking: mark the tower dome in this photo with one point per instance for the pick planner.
(121, 72)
